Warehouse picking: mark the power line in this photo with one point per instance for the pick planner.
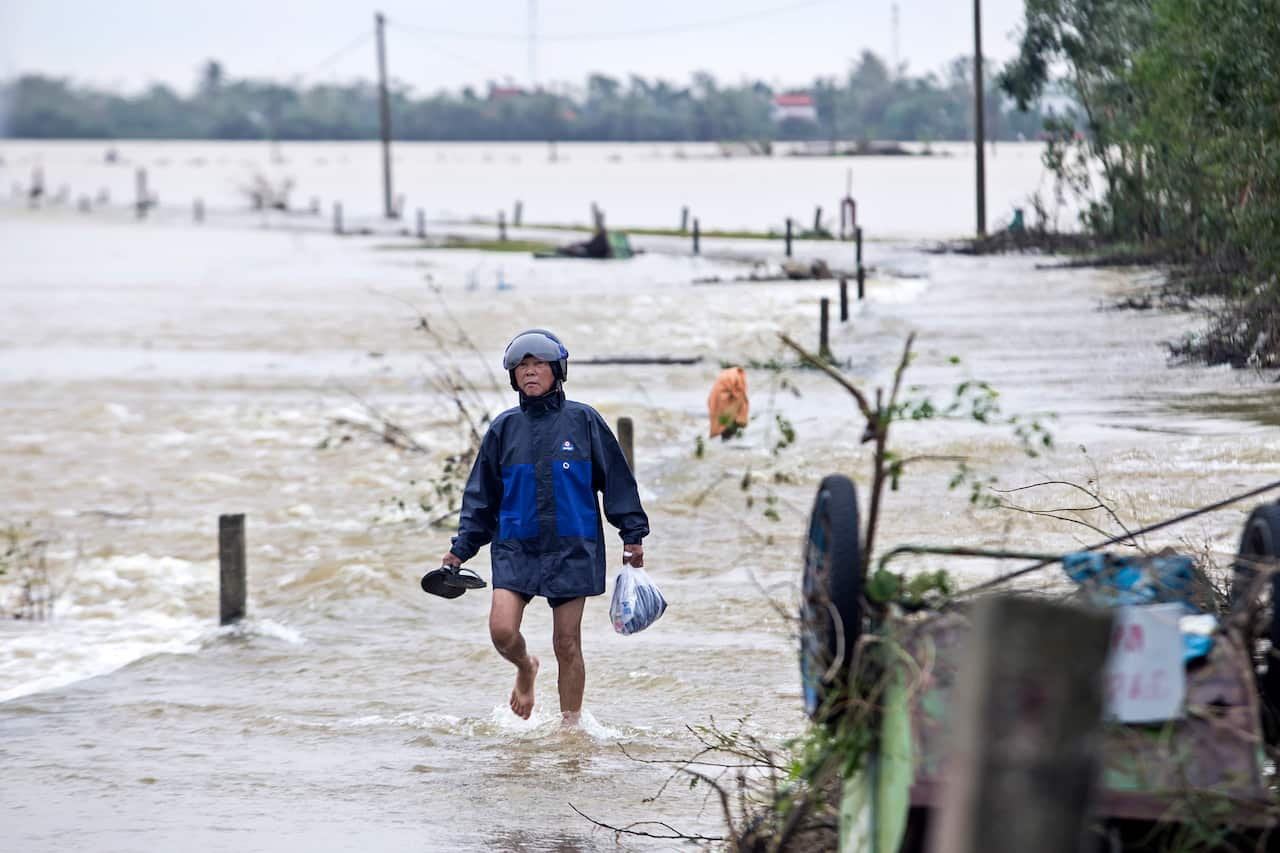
(337, 54)
(617, 35)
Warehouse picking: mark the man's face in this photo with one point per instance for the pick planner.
(534, 376)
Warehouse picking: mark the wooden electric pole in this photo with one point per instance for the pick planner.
(384, 108)
(979, 130)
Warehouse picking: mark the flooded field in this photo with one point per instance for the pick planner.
(154, 375)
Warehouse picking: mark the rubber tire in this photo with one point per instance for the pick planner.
(832, 572)
(1261, 538)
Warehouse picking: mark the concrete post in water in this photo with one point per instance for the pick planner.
(1026, 735)
(231, 568)
(502, 225)
(696, 235)
(337, 218)
(788, 236)
(626, 438)
(140, 193)
(384, 116)
(517, 215)
(979, 119)
(824, 343)
(684, 220)
(197, 211)
(844, 299)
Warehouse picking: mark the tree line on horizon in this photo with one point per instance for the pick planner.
(870, 102)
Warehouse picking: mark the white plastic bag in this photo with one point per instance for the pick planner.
(637, 601)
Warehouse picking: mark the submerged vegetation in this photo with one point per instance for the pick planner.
(1180, 158)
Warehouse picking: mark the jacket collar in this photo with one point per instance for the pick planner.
(547, 403)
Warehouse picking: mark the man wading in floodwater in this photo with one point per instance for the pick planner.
(532, 493)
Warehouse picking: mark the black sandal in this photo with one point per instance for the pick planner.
(451, 581)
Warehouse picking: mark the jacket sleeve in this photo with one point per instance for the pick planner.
(480, 500)
(612, 476)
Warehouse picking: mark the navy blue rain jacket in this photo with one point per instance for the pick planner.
(532, 493)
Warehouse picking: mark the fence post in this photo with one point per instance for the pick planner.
(421, 226)
(1024, 748)
(862, 278)
(788, 236)
(517, 215)
(502, 226)
(140, 191)
(231, 568)
(696, 234)
(824, 322)
(817, 220)
(626, 438)
(844, 299)
(337, 218)
(684, 220)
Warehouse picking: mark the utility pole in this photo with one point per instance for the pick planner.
(979, 131)
(533, 45)
(384, 105)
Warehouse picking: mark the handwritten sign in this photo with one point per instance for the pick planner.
(1146, 680)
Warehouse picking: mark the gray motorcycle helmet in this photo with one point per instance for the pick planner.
(540, 344)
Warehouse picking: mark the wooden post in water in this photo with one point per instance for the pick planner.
(517, 215)
(696, 234)
(231, 568)
(844, 299)
(337, 218)
(140, 192)
(788, 236)
(626, 438)
(684, 220)
(197, 211)
(1025, 742)
(420, 227)
(817, 219)
(502, 226)
(824, 343)
(862, 273)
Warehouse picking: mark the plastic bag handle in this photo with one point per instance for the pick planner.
(626, 558)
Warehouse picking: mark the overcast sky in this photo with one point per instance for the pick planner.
(128, 44)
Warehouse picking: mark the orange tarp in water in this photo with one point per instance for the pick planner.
(727, 404)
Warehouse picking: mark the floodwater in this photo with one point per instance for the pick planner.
(635, 184)
(157, 374)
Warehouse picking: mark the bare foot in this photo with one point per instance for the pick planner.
(570, 719)
(522, 695)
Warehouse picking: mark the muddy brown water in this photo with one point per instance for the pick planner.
(155, 376)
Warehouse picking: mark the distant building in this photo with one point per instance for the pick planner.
(794, 107)
(499, 93)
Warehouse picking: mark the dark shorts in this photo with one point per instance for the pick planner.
(554, 602)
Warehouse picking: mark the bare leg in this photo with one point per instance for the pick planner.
(505, 615)
(567, 639)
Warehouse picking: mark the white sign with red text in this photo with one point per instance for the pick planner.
(1146, 680)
